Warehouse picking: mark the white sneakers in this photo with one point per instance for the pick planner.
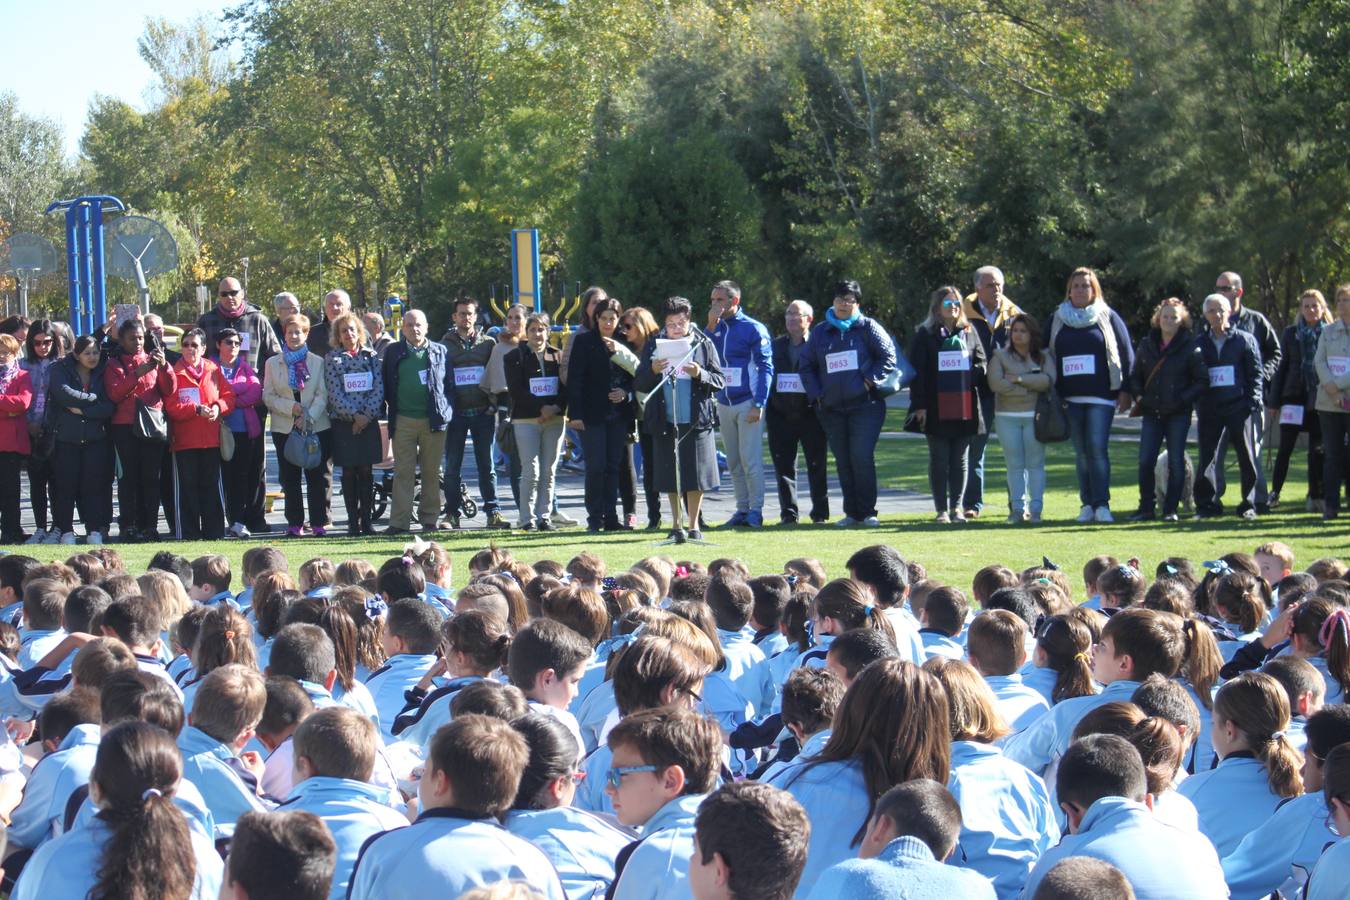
(238, 530)
(1085, 514)
(1103, 514)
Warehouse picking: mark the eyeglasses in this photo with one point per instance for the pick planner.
(232, 341)
(692, 694)
(846, 299)
(192, 345)
(42, 342)
(1224, 288)
(614, 777)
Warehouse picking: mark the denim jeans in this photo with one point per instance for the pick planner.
(1025, 457)
(1090, 429)
(1152, 431)
(947, 467)
(974, 493)
(853, 435)
(483, 428)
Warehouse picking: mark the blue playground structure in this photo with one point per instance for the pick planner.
(84, 258)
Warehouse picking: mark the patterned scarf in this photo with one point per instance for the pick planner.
(8, 374)
(956, 401)
(1308, 336)
(297, 367)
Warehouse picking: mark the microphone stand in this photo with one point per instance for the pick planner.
(669, 375)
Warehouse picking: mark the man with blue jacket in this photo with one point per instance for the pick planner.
(1224, 414)
(744, 349)
(417, 389)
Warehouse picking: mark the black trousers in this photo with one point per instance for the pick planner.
(138, 488)
(11, 527)
(40, 489)
(319, 481)
(199, 499)
(785, 434)
(1336, 459)
(1217, 432)
(85, 481)
(243, 484)
(1285, 453)
(604, 444)
(167, 497)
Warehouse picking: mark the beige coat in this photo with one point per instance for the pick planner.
(1333, 344)
(1006, 367)
(279, 397)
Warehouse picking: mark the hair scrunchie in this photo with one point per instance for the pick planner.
(375, 607)
(1339, 619)
(229, 634)
(151, 792)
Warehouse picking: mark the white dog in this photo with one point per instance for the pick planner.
(1160, 481)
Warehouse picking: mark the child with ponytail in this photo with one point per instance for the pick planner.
(1258, 767)
(1061, 666)
(1239, 602)
(842, 605)
(1320, 633)
(224, 638)
(347, 690)
(1200, 676)
(139, 846)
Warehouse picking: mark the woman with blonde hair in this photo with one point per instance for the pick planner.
(1293, 395)
(355, 386)
(1094, 356)
(295, 391)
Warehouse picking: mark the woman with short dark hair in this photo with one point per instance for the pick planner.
(78, 411)
(42, 349)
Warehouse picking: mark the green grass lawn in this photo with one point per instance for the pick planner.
(951, 553)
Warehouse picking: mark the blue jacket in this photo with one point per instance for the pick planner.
(214, 770)
(445, 853)
(865, 353)
(418, 726)
(1020, 705)
(835, 798)
(745, 350)
(1332, 873)
(353, 813)
(1160, 862)
(440, 384)
(41, 815)
(581, 845)
(936, 643)
(658, 868)
(743, 656)
(68, 866)
(1042, 744)
(1200, 758)
(1234, 375)
(1040, 679)
(905, 868)
(1295, 836)
(1007, 819)
(389, 682)
(591, 794)
(1334, 692)
(186, 797)
(1232, 799)
(591, 714)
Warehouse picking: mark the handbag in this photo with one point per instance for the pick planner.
(303, 449)
(1137, 408)
(226, 442)
(1051, 422)
(898, 378)
(150, 423)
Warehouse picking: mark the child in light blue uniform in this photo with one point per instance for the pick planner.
(1332, 872)
(280, 854)
(43, 604)
(133, 780)
(411, 636)
(211, 579)
(837, 786)
(995, 645)
(1257, 766)
(335, 751)
(1060, 666)
(546, 662)
(455, 844)
(913, 831)
(184, 638)
(228, 706)
(661, 799)
(941, 621)
(1305, 689)
(223, 637)
(474, 645)
(725, 865)
(771, 596)
(581, 845)
(70, 734)
(1294, 837)
(1320, 633)
(811, 697)
(732, 602)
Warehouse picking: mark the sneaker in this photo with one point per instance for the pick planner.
(972, 513)
(1171, 517)
(695, 534)
(94, 538)
(294, 531)
(563, 519)
(846, 522)
(1015, 518)
(68, 538)
(1143, 515)
(497, 520)
(754, 518)
(958, 517)
(871, 522)
(53, 536)
(677, 535)
(1103, 514)
(524, 525)
(1035, 518)
(1274, 500)
(37, 537)
(546, 525)
(1249, 515)
(1085, 514)
(739, 520)
(943, 518)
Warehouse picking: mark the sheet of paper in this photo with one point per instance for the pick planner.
(673, 349)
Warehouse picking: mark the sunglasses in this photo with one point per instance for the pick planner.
(192, 345)
(230, 293)
(42, 342)
(234, 342)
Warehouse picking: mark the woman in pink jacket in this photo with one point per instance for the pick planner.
(244, 493)
(16, 394)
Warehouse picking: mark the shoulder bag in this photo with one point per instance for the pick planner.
(1051, 422)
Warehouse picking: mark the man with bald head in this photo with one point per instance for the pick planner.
(257, 340)
(792, 421)
(418, 387)
(335, 303)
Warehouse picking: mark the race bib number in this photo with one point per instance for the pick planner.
(468, 376)
(1078, 365)
(190, 396)
(1221, 376)
(790, 383)
(245, 341)
(733, 376)
(953, 361)
(1291, 414)
(844, 361)
(1339, 365)
(544, 387)
(422, 375)
(356, 382)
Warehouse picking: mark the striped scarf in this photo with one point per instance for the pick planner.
(1307, 344)
(955, 398)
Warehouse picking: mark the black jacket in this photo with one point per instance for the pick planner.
(703, 399)
(1267, 341)
(65, 391)
(262, 340)
(521, 365)
(1180, 380)
(1289, 385)
(591, 375)
(923, 391)
(1244, 395)
(789, 405)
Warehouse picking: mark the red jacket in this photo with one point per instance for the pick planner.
(123, 387)
(14, 403)
(190, 431)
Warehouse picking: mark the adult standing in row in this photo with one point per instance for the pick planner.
(296, 395)
(43, 349)
(600, 409)
(242, 499)
(791, 422)
(532, 372)
(78, 411)
(1293, 396)
(417, 392)
(844, 360)
(1333, 403)
(1019, 373)
(1244, 318)
(1093, 350)
(284, 305)
(467, 353)
(745, 352)
(200, 399)
(154, 339)
(1225, 413)
(336, 304)
(636, 327)
(1169, 375)
(948, 359)
(355, 386)
(510, 336)
(134, 378)
(16, 396)
(990, 313)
